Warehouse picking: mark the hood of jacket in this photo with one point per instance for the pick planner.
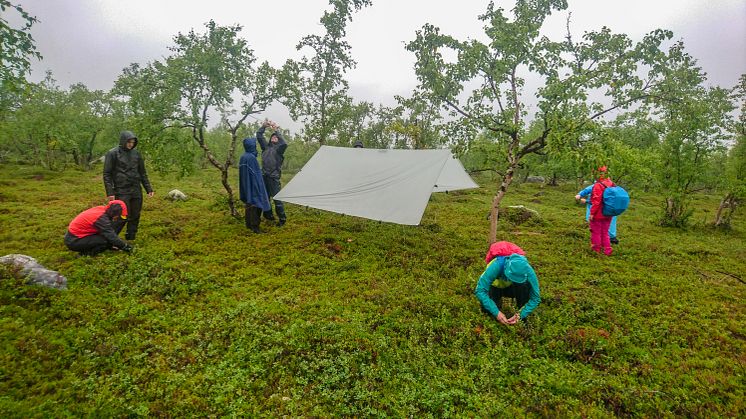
(116, 208)
(249, 145)
(125, 136)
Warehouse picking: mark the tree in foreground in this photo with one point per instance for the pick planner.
(16, 50)
(483, 86)
(208, 73)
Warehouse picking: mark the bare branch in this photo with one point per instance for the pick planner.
(535, 145)
(484, 170)
(731, 275)
(457, 108)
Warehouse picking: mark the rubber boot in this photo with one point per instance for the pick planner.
(254, 218)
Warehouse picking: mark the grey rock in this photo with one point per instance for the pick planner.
(177, 195)
(535, 179)
(36, 274)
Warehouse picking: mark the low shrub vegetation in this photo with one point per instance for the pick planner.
(334, 315)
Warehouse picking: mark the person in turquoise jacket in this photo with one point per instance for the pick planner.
(585, 197)
(511, 277)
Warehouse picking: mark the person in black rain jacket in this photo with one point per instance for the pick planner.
(124, 178)
(273, 154)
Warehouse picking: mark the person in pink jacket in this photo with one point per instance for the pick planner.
(599, 223)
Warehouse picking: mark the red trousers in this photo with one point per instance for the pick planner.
(600, 235)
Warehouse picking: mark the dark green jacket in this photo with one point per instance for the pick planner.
(124, 170)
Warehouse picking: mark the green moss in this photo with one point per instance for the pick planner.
(332, 315)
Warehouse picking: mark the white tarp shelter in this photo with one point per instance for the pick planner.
(378, 184)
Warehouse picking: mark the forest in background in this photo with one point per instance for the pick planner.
(642, 108)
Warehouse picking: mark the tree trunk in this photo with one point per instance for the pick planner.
(48, 154)
(676, 212)
(198, 136)
(719, 214)
(322, 109)
(495, 211)
(77, 158)
(89, 156)
(731, 209)
(671, 210)
(228, 162)
(227, 186)
(728, 203)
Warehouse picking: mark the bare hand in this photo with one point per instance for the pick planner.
(577, 197)
(502, 319)
(110, 198)
(515, 319)
(151, 193)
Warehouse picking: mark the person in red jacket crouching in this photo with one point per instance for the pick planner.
(92, 231)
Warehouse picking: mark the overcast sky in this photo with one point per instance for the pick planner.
(91, 41)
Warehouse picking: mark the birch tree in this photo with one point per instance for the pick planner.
(482, 84)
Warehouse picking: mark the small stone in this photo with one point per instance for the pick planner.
(177, 195)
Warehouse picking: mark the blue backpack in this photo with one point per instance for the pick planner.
(616, 201)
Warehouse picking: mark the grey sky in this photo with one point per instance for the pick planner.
(91, 41)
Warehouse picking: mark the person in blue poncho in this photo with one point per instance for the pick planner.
(253, 193)
(508, 277)
(584, 196)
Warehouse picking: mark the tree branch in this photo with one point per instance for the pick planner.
(495, 92)
(535, 145)
(457, 108)
(514, 88)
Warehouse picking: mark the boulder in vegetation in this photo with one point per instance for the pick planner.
(535, 179)
(28, 267)
(177, 195)
(518, 214)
